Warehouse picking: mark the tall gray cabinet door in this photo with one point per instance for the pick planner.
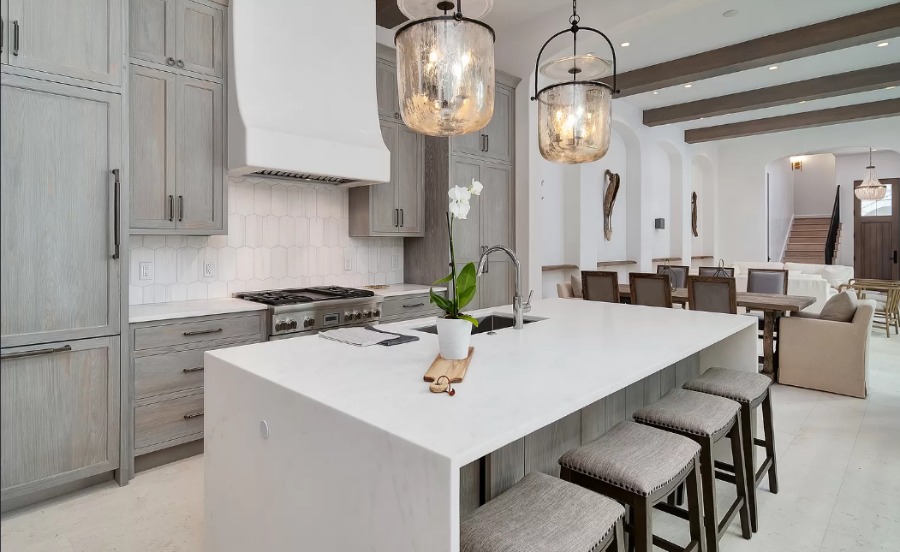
(494, 285)
(409, 181)
(472, 143)
(383, 205)
(80, 39)
(496, 204)
(5, 27)
(152, 29)
(386, 90)
(152, 146)
(199, 163)
(200, 44)
(467, 233)
(58, 147)
(499, 143)
(59, 413)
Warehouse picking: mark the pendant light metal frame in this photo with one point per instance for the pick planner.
(458, 16)
(879, 189)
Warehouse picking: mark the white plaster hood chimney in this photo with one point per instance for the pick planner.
(301, 100)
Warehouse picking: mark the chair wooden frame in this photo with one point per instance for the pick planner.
(713, 270)
(752, 271)
(667, 282)
(890, 312)
(670, 271)
(614, 276)
(718, 280)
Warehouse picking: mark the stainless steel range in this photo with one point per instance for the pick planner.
(296, 312)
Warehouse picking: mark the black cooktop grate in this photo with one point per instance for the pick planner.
(279, 297)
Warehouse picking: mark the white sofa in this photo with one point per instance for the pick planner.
(814, 280)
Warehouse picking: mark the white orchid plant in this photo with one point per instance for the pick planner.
(462, 285)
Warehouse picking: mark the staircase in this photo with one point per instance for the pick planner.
(806, 243)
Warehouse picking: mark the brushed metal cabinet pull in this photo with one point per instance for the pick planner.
(170, 62)
(202, 332)
(401, 218)
(189, 370)
(180, 208)
(116, 213)
(1, 34)
(15, 51)
(171, 208)
(487, 142)
(180, 64)
(36, 352)
(193, 415)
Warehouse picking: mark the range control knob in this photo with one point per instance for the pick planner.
(291, 324)
(376, 313)
(357, 315)
(348, 316)
(309, 322)
(367, 314)
(279, 326)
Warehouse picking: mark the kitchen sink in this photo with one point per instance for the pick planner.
(488, 324)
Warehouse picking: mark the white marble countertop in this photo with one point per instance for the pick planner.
(404, 289)
(187, 309)
(516, 382)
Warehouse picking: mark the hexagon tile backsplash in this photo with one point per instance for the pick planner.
(278, 236)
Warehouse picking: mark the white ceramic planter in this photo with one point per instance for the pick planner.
(454, 337)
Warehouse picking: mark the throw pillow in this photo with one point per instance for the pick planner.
(576, 287)
(839, 308)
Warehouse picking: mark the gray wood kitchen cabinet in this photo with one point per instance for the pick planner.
(495, 141)
(58, 196)
(185, 35)
(177, 153)
(4, 32)
(386, 89)
(393, 208)
(80, 39)
(59, 413)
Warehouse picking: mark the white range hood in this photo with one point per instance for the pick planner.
(301, 100)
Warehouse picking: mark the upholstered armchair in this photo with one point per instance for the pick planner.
(826, 355)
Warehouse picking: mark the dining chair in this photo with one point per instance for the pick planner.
(712, 294)
(677, 273)
(767, 280)
(600, 286)
(652, 290)
(725, 272)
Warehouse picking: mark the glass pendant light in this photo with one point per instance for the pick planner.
(445, 73)
(574, 118)
(871, 188)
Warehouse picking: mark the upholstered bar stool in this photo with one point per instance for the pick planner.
(541, 513)
(749, 390)
(705, 419)
(640, 466)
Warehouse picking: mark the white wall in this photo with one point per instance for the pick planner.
(279, 236)
(848, 169)
(814, 186)
(781, 205)
(741, 201)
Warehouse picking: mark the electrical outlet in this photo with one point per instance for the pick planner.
(395, 261)
(209, 269)
(348, 264)
(146, 271)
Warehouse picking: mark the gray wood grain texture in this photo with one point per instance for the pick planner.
(410, 306)
(200, 162)
(469, 488)
(593, 421)
(494, 287)
(544, 447)
(373, 209)
(164, 422)
(615, 408)
(410, 181)
(472, 143)
(59, 145)
(4, 40)
(60, 415)
(500, 134)
(427, 259)
(213, 328)
(505, 467)
(200, 38)
(80, 39)
(152, 29)
(152, 146)
(467, 233)
(386, 89)
(166, 373)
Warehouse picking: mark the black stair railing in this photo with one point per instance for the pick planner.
(831, 242)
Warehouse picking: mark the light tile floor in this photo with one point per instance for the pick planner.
(839, 475)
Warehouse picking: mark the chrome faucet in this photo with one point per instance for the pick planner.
(519, 308)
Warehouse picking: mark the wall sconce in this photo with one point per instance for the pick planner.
(797, 163)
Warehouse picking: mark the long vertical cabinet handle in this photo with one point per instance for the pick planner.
(116, 213)
(401, 218)
(487, 142)
(171, 208)
(15, 51)
(1, 35)
(180, 208)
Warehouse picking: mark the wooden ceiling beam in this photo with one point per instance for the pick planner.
(387, 14)
(808, 119)
(827, 36)
(852, 82)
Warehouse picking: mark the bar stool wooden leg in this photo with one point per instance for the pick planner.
(737, 451)
(749, 469)
(707, 475)
(642, 534)
(695, 507)
(768, 425)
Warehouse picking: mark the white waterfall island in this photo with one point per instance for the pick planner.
(359, 455)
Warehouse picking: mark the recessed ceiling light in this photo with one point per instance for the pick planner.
(802, 101)
(688, 85)
(890, 87)
(773, 67)
(655, 92)
(730, 13)
(881, 44)
(625, 44)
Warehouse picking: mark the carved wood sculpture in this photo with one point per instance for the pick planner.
(694, 214)
(609, 199)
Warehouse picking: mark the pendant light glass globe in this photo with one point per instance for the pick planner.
(445, 75)
(871, 188)
(574, 122)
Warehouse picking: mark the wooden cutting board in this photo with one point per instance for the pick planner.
(453, 369)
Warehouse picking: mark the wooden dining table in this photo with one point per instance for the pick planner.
(772, 306)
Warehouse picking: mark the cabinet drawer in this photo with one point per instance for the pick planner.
(171, 372)
(168, 420)
(407, 306)
(185, 333)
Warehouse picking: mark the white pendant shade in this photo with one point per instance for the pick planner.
(871, 188)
